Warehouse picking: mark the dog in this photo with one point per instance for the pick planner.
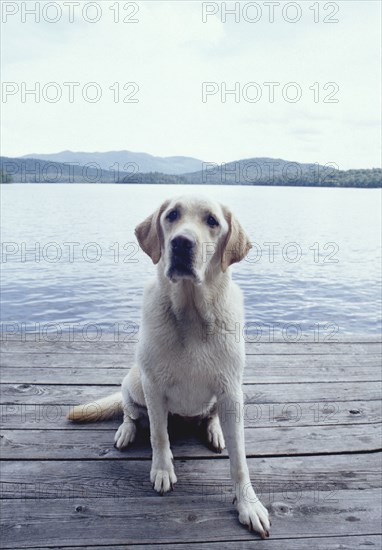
(188, 361)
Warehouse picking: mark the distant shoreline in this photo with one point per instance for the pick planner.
(195, 184)
(254, 172)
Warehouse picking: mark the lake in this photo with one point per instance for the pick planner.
(70, 262)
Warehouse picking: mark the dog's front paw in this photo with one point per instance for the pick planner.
(163, 479)
(255, 516)
(125, 434)
(215, 436)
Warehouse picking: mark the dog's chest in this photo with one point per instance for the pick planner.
(189, 397)
(191, 364)
(191, 353)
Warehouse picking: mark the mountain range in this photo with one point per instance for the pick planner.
(125, 167)
(144, 161)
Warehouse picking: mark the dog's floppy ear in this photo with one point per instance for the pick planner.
(149, 234)
(237, 243)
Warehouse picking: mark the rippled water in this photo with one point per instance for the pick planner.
(330, 285)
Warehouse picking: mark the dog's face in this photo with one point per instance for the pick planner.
(192, 236)
(192, 230)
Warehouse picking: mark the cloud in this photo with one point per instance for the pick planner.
(169, 54)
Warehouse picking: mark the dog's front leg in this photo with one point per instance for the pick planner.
(251, 511)
(162, 473)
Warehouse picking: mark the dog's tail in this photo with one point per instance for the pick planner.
(108, 407)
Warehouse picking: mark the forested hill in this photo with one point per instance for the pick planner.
(254, 171)
(266, 171)
(25, 170)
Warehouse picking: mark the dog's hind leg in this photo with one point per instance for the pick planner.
(133, 408)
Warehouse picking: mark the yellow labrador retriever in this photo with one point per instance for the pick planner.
(188, 361)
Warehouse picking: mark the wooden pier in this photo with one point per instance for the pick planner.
(313, 438)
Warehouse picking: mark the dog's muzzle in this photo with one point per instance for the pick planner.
(182, 256)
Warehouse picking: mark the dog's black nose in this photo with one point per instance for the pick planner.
(182, 244)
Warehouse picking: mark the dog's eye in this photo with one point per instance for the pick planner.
(212, 222)
(172, 216)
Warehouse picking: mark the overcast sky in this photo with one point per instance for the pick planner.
(169, 53)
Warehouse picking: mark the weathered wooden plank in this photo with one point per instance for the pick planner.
(257, 415)
(89, 444)
(253, 393)
(311, 348)
(353, 542)
(95, 361)
(292, 477)
(259, 373)
(130, 335)
(128, 348)
(124, 521)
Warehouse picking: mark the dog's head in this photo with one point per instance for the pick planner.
(193, 236)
